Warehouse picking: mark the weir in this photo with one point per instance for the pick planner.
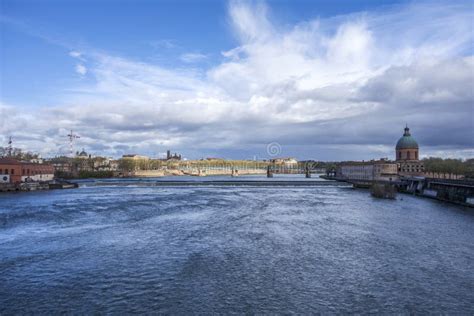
(455, 191)
(259, 183)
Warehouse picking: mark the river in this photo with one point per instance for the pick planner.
(131, 248)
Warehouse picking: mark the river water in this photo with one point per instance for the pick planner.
(221, 249)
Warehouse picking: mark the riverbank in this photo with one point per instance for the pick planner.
(459, 192)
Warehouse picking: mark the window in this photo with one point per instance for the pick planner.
(416, 155)
(399, 155)
(6, 171)
(13, 171)
(408, 155)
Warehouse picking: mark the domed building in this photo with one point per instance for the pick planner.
(82, 155)
(407, 147)
(407, 155)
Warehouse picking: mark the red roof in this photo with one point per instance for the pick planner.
(9, 161)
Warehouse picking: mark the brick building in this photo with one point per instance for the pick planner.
(36, 172)
(374, 170)
(17, 171)
(11, 168)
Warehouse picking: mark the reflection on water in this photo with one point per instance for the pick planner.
(232, 249)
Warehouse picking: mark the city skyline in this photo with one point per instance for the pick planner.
(225, 79)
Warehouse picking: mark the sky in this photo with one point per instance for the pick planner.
(323, 80)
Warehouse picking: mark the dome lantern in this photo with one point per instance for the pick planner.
(407, 131)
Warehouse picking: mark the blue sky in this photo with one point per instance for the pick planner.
(326, 80)
(152, 31)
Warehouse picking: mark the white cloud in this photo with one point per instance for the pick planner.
(75, 54)
(78, 55)
(250, 23)
(81, 69)
(193, 57)
(343, 81)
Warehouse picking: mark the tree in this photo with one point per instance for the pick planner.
(127, 164)
(449, 165)
(17, 153)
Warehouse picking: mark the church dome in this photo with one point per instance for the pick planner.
(407, 141)
(82, 153)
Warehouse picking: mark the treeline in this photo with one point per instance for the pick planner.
(18, 154)
(453, 166)
(126, 164)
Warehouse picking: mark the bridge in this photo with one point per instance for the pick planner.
(306, 169)
(270, 169)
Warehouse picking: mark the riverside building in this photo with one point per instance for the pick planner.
(407, 156)
(406, 163)
(14, 171)
(374, 170)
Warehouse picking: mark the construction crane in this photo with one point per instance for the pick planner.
(72, 137)
(10, 147)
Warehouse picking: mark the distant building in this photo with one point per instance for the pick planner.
(36, 160)
(288, 162)
(84, 163)
(105, 164)
(406, 163)
(407, 155)
(65, 166)
(174, 156)
(374, 170)
(83, 154)
(114, 165)
(135, 157)
(62, 164)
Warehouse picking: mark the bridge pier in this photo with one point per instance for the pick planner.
(235, 172)
(269, 172)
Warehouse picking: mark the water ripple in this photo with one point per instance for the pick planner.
(203, 250)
